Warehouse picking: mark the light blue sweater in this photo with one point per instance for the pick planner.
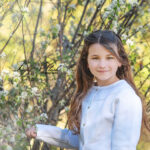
(111, 120)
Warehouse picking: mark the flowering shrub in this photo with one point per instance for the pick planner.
(38, 57)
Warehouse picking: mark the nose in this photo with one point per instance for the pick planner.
(101, 64)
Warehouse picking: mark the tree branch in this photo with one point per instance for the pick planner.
(23, 41)
(141, 69)
(98, 8)
(79, 24)
(35, 31)
(147, 91)
(144, 82)
(13, 31)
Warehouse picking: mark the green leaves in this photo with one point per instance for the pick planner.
(55, 30)
(26, 86)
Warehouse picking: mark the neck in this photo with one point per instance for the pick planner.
(105, 82)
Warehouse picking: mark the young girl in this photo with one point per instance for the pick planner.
(106, 110)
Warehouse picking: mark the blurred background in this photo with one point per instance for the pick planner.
(40, 41)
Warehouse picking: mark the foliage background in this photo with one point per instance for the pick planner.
(40, 41)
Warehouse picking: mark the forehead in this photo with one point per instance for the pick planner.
(98, 49)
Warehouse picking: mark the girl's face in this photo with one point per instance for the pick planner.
(102, 64)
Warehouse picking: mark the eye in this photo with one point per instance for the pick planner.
(110, 57)
(95, 58)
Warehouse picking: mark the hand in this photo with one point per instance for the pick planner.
(31, 133)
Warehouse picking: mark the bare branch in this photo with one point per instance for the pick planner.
(13, 32)
(35, 31)
(145, 66)
(147, 91)
(79, 24)
(134, 33)
(98, 8)
(127, 22)
(6, 11)
(144, 82)
(59, 8)
(46, 73)
(11, 35)
(23, 41)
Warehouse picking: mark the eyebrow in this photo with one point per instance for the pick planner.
(106, 55)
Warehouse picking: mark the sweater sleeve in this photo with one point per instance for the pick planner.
(127, 122)
(56, 136)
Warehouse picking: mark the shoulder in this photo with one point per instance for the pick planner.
(127, 96)
(124, 89)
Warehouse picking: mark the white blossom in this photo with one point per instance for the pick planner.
(9, 147)
(5, 92)
(25, 9)
(12, 139)
(4, 72)
(34, 90)
(41, 30)
(23, 135)
(62, 67)
(69, 72)
(98, 2)
(122, 2)
(15, 84)
(133, 2)
(8, 128)
(85, 33)
(129, 42)
(109, 9)
(3, 55)
(11, 34)
(1, 93)
(24, 94)
(132, 68)
(106, 14)
(62, 102)
(140, 27)
(1, 78)
(66, 109)
(44, 115)
(21, 63)
(16, 75)
(58, 27)
(115, 25)
(15, 66)
(115, 30)
(124, 36)
(29, 109)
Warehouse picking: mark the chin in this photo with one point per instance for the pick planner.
(103, 79)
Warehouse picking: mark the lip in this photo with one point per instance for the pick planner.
(102, 71)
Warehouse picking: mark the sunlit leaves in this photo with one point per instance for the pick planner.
(26, 90)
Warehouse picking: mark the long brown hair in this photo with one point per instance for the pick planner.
(84, 78)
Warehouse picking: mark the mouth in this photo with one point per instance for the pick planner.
(102, 71)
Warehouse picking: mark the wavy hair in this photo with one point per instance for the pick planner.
(84, 78)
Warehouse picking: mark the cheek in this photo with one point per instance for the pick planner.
(115, 64)
(91, 64)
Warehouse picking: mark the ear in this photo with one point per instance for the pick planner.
(119, 64)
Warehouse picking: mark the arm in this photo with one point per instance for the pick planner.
(127, 122)
(56, 136)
